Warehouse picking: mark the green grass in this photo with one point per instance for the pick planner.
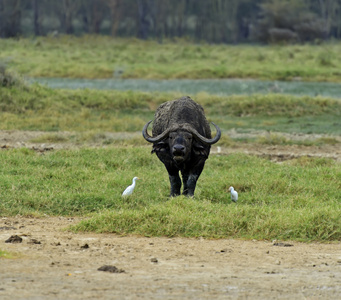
(41, 108)
(297, 200)
(280, 139)
(105, 57)
(6, 254)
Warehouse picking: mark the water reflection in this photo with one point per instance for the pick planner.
(190, 86)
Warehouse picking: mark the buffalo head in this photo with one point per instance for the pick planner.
(180, 140)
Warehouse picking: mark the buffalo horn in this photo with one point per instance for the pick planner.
(154, 139)
(206, 140)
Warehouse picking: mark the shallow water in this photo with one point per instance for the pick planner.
(190, 86)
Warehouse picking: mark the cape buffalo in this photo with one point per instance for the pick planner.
(182, 141)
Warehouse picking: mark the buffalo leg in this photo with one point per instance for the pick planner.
(175, 183)
(174, 179)
(190, 179)
(184, 180)
(190, 184)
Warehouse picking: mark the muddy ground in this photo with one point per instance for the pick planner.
(18, 139)
(51, 263)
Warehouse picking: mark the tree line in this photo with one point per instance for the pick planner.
(213, 21)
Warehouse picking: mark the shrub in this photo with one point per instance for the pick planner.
(8, 79)
(282, 35)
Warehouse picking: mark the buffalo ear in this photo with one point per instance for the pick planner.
(199, 149)
(160, 147)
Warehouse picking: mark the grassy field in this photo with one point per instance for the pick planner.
(298, 199)
(104, 57)
(41, 108)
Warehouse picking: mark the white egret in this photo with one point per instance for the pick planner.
(129, 190)
(234, 194)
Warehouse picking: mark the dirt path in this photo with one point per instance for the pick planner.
(55, 264)
(17, 139)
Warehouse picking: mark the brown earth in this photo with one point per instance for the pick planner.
(55, 264)
(51, 263)
(18, 139)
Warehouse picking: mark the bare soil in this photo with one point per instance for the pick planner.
(56, 264)
(18, 139)
(52, 263)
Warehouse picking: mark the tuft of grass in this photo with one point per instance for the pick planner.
(306, 161)
(279, 139)
(273, 139)
(10, 78)
(7, 255)
(297, 200)
(327, 140)
(325, 59)
(50, 138)
(226, 141)
(188, 218)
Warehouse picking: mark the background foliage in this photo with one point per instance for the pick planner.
(216, 21)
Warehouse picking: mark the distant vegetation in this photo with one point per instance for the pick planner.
(104, 57)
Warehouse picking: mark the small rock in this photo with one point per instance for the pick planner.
(34, 241)
(14, 239)
(111, 269)
(7, 228)
(282, 244)
(154, 260)
(225, 250)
